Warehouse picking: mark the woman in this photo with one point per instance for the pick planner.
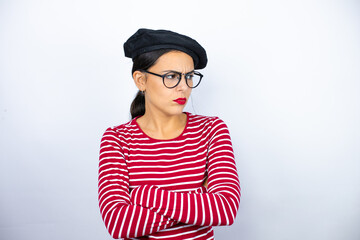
(166, 174)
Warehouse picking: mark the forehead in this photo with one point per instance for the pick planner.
(174, 60)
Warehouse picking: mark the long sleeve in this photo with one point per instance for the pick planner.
(216, 207)
(121, 217)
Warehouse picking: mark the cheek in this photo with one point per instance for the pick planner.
(158, 92)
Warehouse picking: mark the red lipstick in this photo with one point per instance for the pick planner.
(180, 101)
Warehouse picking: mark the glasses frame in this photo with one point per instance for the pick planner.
(181, 74)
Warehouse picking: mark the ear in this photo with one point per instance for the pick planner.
(140, 80)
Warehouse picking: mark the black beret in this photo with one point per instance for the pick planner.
(147, 40)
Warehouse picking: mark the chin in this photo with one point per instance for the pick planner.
(175, 111)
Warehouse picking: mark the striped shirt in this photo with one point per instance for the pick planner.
(153, 189)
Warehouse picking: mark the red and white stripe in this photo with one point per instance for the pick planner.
(152, 188)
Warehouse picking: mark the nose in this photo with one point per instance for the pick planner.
(182, 84)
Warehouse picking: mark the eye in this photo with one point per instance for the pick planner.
(172, 76)
(190, 76)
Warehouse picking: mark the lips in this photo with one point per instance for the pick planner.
(180, 101)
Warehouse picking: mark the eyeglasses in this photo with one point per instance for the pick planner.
(173, 78)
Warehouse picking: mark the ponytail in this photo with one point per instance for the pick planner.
(137, 107)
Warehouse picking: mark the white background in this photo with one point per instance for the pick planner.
(284, 75)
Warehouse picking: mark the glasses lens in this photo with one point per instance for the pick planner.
(171, 79)
(193, 79)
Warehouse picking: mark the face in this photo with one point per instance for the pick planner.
(160, 98)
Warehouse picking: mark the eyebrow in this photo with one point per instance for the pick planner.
(168, 71)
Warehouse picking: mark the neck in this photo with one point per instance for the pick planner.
(162, 126)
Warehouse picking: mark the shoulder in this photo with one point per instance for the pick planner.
(122, 129)
(210, 121)
(206, 126)
(213, 127)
